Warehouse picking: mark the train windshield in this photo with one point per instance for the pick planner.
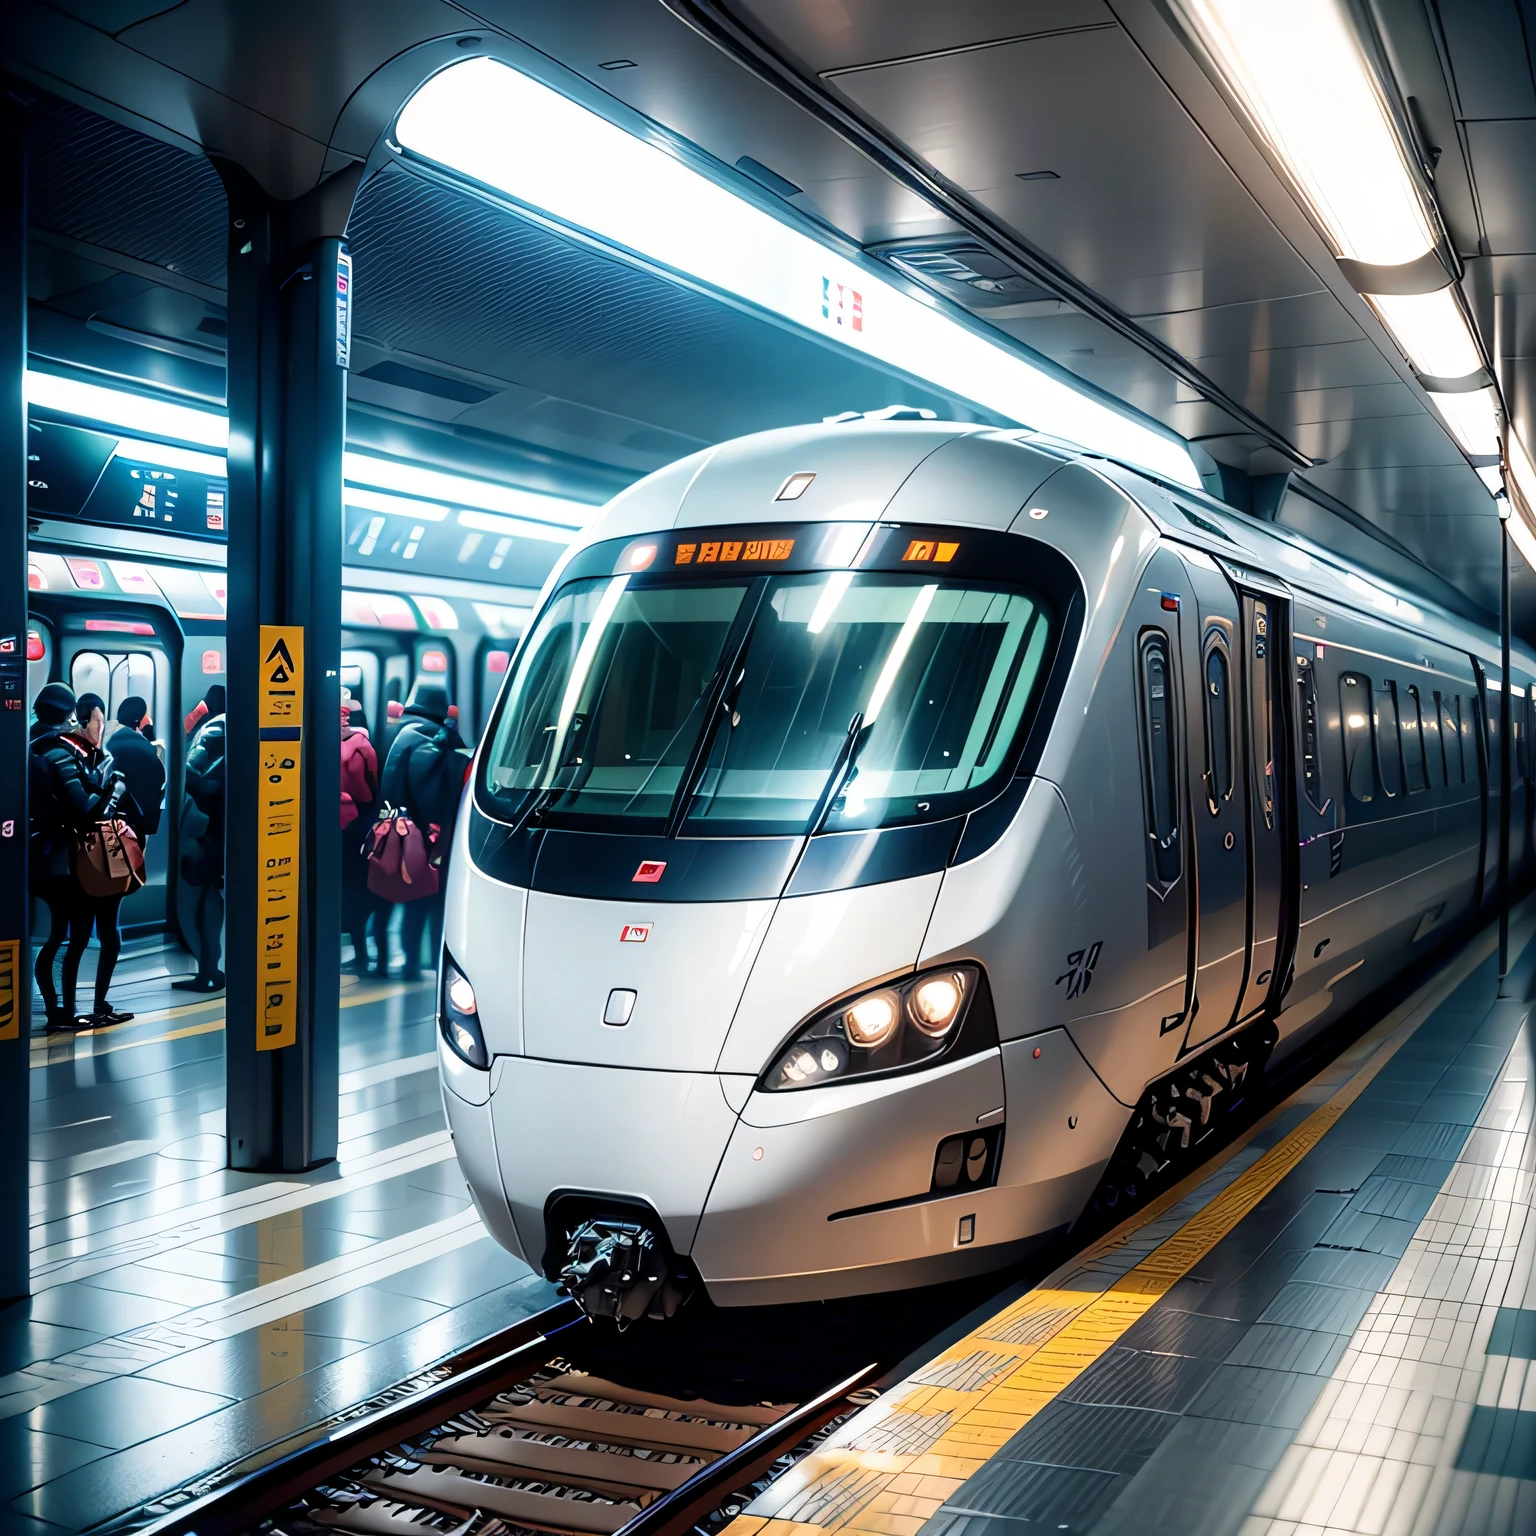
(755, 706)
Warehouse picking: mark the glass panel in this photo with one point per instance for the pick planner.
(607, 700)
(925, 683)
(1355, 709)
(1160, 751)
(90, 672)
(1412, 733)
(1389, 749)
(1218, 723)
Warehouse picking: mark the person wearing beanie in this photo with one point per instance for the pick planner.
(423, 776)
(68, 794)
(134, 756)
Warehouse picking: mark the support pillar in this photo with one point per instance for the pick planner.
(15, 940)
(289, 332)
(1506, 746)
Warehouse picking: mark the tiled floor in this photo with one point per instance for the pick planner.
(184, 1315)
(1333, 1331)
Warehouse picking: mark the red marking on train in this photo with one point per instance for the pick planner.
(1170, 603)
(634, 933)
(650, 871)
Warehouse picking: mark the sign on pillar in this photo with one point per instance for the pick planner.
(280, 720)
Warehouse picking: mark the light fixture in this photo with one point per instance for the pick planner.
(494, 522)
(1493, 477)
(935, 1002)
(1297, 68)
(502, 129)
(166, 457)
(1432, 330)
(121, 408)
(1473, 419)
(394, 506)
(1521, 521)
(871, 1020)
(796, 486)
(463, 490)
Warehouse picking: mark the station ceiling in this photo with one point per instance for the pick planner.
(1070, 154)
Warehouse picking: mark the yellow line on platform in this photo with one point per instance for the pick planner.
(1038, 1345)
(43, 1048)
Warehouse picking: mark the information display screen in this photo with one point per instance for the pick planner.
(95, 477)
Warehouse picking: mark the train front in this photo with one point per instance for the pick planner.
(689, 1030)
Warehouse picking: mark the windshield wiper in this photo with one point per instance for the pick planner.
(843, 770)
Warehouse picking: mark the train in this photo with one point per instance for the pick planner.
(892, 836)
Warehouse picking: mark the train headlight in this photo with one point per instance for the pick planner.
(458, 1017)
(883, 1030)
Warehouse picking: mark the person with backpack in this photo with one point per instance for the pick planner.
(423, 778)
(71, 789)
(359, 791)
(202, 864)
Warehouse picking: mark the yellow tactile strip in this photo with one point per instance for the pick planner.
(890, 1468)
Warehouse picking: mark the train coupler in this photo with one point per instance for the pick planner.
(618, 1269)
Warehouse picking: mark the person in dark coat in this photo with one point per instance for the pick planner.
(134, 756)
(423, 778)
(359, 796)
(209, 707)
(69, 794)
(202, 865)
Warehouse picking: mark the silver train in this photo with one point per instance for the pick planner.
(891, 833)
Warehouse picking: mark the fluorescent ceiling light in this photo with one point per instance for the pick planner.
(1493, 477)
(494, 522)
(1473, 418)
(1298, 69)
(463, 491)
(1431, 329)
(395, 506)
(120, 408)
(1522, 505)
(489, 122)
(166, 457)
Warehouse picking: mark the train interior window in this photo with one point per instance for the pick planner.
(1470, 762)
(1411, 730)
(115, 676)
(1389, 745)
(1307, 712)
(1219, 732)
(1260, 710)
(1451, 732)
(397, 679)
(1160, 755)
(1355, 710)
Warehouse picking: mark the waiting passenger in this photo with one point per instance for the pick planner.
(209, 707)
(359, 791)
(134, 756)
(423, 779)
(71, 789)
(202, 865)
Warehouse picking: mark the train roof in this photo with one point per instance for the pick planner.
(860, 464)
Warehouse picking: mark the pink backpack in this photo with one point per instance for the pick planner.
(400, 866)
(359, 767)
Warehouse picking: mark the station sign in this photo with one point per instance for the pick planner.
(280, 721)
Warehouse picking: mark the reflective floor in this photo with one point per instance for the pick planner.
(184, 1315)
(1330, 1330)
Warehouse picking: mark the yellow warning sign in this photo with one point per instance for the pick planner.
(11, 989)
(280, 717)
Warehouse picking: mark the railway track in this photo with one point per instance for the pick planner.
(519, 1439)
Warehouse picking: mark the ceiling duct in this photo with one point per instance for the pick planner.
(960, 269)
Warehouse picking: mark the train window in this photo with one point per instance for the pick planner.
(1307, 711)
(1260, 710)
(1450, 735)
(606, 716)
(1389, 745)
(1159, 750)
(1440, 741)
(1355, 711)
(115, 676)
(1411, 730)
(1219, 732)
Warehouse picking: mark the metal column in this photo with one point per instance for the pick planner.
(15, 941)
(289, 331)
(1506, 752)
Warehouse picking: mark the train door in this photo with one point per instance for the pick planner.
(1264, 613)
(1219, 791)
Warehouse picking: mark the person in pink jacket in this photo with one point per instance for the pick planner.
(359, 791)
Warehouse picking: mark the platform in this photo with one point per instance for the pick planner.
(1330, 1329)
(185, 1315)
